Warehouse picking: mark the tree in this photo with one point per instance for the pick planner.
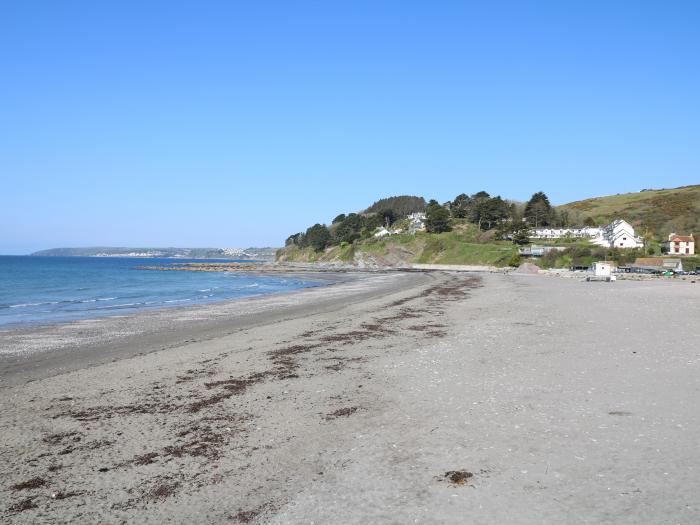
(296, 239)
(460, 206)
(348, 230)
(388, 217)
(520, 233)
(589, 222)
(538, 211)
(437, 218)
(318, 237)
(339, 218)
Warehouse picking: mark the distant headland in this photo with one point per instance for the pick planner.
(175, 253)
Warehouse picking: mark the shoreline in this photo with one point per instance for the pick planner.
(91, 315)
(38, 351)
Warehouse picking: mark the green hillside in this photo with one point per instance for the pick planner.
(477, 236)
(654, 212)
(464, 245)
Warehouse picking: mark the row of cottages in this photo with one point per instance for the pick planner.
(559, 233)
(617, 234)
(679, 245)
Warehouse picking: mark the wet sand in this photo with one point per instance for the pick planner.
(424, 397)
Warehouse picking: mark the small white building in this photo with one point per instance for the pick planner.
(679, 245)
(602, 269)
(381, 232)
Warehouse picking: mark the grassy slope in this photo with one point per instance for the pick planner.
(464, 245)
(656, 212)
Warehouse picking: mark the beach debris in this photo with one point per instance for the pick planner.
(33, 483)
(65, 495)
(248, 516)
(162, 490)
(60, 437)
(25, 504)
(146, 459)
(458, 477)
(342, 412)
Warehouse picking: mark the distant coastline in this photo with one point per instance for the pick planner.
(253, 253)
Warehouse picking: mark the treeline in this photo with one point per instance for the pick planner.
(509, 217)
(401, 205)
(513, 220)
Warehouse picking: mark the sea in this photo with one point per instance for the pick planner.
(48, 290)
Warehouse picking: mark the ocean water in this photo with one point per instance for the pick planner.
(45, 290)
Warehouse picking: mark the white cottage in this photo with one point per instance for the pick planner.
(618, 234)
(679, 245)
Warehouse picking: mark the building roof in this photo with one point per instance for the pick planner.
(682, 238)
(649, 261)
(659, 262)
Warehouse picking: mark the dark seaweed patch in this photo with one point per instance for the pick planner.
(33, 483)
(342, 412)
(25, 504)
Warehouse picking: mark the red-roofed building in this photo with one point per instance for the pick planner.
(679, 245)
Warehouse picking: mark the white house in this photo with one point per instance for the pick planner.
(679, 245)
(618, 234)
(416, 222)
(381, 232)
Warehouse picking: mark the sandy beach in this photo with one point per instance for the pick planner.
(432, 397)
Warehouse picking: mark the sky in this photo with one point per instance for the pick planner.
(235, 124)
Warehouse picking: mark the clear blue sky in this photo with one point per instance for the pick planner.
(238, 123)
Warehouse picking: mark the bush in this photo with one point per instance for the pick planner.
(514, 260)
